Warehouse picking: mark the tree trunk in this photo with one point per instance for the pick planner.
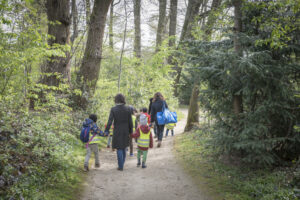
(87, 11)
(57, 11)
(193, 113)
(89, 70)
(123, 45)
(111, 24)
(74, 20)
(173, 22)
(137, 28)
(161, 23)
(186, 33)
(237, 99)
(208, 27)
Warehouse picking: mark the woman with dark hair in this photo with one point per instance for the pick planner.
(120, 116)
(157, 106)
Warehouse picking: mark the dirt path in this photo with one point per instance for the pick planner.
(163, 179)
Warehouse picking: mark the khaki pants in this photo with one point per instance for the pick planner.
(92, 148)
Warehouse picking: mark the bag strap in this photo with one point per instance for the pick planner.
(164, 106)
(87, 144)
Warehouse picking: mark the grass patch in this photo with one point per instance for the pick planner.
(224, 181)
(71, 187)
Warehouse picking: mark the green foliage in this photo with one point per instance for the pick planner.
(222, 179)
(139, 81)
(265, 78)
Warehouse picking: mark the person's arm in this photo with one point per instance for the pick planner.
(152, 113)
(150, 105)
(97, 130)
(136, 123)
(136, 134)
(151, 141)
(130, 122)
(166, 104)
(110, 121)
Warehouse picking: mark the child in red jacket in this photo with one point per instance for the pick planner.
(144, 139)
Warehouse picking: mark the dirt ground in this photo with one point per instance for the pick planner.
(163, 179)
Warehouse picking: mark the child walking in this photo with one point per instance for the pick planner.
(170, 127)
(94, 140)
(144, 139)
(145, 112)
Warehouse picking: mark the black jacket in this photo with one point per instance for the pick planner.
(156, 107)
(150, 104)
(120, 115)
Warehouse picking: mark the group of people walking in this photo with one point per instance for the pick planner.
(127, 124)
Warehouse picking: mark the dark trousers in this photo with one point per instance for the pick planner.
(121, 155)
(130, 146)
(172, 131)
(160, 131)
(155, 129)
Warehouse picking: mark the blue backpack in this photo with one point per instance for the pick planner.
(85, 134)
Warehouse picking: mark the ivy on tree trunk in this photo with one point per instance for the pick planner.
(90, 68)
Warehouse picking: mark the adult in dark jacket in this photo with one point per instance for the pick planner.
(157, 105)
(149, 112)
(120, 116)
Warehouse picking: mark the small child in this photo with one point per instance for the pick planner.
(170, 127)
(92, 145)
(144, 111)
(144, 139)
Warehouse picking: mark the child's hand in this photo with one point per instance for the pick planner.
(106, 133)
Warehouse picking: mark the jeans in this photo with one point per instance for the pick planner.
(172, 131)
(160, 131)
(92, 148)
(121, 155)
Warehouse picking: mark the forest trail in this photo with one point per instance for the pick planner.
(163, 179)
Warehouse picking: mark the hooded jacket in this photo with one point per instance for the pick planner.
(94, 130)
(144, 129)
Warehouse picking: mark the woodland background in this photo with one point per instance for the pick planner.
(235, 63)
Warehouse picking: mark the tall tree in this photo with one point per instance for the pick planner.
(193, 113)
(173, 21)
(74, 20)
(137, 28)
(123, 44)
(237, 98)
(110, 27)
(89, 70)
(58, 13)
(161, 22)
(190, 15)
(87, 11)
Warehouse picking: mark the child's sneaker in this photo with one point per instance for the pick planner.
(144, 165)
(131, 155)
(97, 165)
(138, 163)
(108, 146)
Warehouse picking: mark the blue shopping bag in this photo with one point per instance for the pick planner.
(166, 116)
